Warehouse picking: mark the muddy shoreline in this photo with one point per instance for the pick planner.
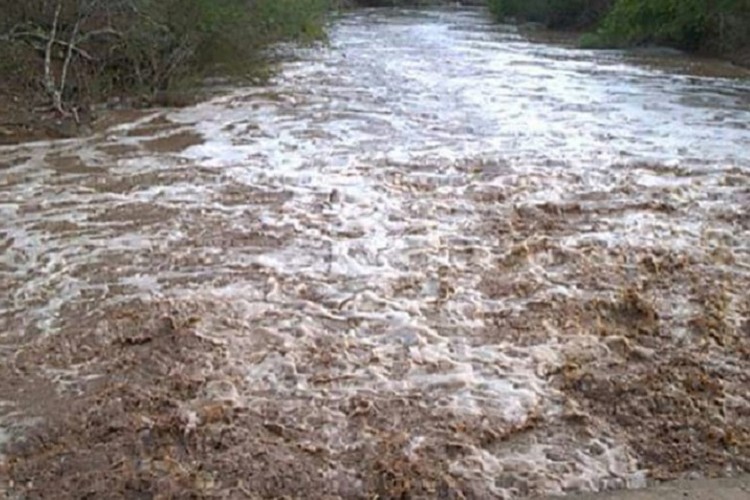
(25, 117)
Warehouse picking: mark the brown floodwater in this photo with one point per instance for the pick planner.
(432, 258)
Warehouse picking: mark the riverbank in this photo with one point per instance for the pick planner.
(27, 116)
(702, 27)
(429, 259)
(63, 62)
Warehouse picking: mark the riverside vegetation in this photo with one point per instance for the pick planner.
(64, 55)
(716, 27)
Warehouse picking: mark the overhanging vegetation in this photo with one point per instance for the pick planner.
(75, 51)
(712, 26)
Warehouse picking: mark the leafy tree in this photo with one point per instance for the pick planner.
(553, 13)
(715, 25)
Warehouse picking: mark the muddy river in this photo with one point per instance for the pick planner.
(430, 259)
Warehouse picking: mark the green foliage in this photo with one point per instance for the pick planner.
(140, 47)
(689, 24)
(553, 13)
(680, 22)
(177, 39)
(291, 18)
(387, 3)
(718, 26)
(529, 10)
(595, 41)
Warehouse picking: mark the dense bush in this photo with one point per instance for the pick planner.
(75, 50)
(553, 13)
(390, 3)
(716, 25)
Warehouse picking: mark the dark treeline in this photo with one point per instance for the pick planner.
(556, 14)
(720, 27)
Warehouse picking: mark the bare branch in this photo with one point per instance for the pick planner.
(26, 35)
(108, 31)
(49, 81)
(69, 56)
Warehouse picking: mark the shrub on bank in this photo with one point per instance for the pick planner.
(78, 50)
(391, 3)
(553, 13)
(716, 26)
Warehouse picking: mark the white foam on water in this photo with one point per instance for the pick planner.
(365, 281)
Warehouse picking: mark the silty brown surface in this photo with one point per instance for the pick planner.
(521, 273)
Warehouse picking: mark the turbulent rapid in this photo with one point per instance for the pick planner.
(431, 258)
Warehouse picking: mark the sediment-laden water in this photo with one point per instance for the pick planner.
(432, 259)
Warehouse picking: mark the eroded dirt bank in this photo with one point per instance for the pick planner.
(428, 261)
